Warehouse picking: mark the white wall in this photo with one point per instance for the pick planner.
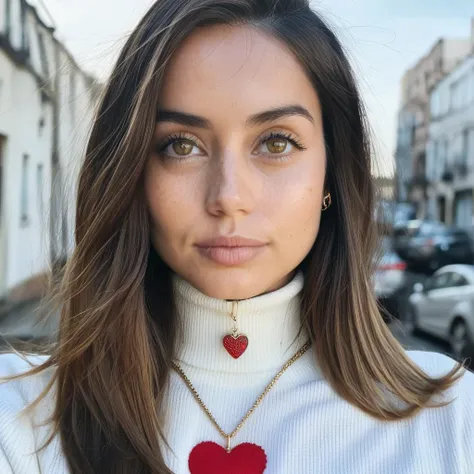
(26, 120)
(21, 108)
(454, 51)
(451, 137)
(452, 106)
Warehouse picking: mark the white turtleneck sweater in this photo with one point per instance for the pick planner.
(303, 426)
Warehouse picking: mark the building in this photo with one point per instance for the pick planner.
(450, 151)
(384, 187)
(414, 116)
(46, 107)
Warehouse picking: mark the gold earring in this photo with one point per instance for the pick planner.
(327, 201)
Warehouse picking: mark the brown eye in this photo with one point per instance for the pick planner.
(277, 145)
(183, 147)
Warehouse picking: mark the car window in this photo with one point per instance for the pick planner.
(437, 282)
(461, 235)
(431, 228)
(390, 258)
(458, 280)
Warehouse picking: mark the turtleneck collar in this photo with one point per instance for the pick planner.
(271, 322)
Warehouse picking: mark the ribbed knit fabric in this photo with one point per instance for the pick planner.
(303, 426)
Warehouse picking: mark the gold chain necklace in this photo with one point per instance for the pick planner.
(229, 436)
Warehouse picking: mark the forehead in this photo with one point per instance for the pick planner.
(235, 68)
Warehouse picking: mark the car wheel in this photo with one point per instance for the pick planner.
(459, 339)
(411, 321)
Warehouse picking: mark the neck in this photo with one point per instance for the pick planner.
(271, 322)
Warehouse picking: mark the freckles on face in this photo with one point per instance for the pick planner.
(238, 152)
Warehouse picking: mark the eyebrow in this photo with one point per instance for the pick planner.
(191, 120)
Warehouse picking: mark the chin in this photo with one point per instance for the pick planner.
(235, 285)
(229, 288)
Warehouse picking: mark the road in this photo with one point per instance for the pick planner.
(422, 343)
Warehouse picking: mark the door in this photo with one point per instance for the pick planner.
(442, 209)
(463, 209)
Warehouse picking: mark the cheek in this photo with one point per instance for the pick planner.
(163, 207)
(305, 214)
(301, 196)
(299, 211)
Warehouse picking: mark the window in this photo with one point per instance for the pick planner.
(24, 188)
(470, 145)
(39, 185)
(442, 161)
(470, 87)
(43, 55)
(8, 20)
(440, 281)
(446, 280)
(428, 229)
(454, 105)
(465, 145)
(458, 280)
(431, 157)
(25, 41)
(459, 93)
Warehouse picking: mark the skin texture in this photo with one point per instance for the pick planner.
(222, 180)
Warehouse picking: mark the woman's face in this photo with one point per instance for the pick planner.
(238, 154)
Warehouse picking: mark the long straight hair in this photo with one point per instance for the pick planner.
(117, 327)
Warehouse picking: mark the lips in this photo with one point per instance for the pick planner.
(231, 251)
(229, 242)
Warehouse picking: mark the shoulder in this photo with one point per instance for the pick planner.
(438, 365)
(14, 365)
(17, 393)
(25, 389)
(434, 364)
(448, 429)
(16, 425)
(459, 397)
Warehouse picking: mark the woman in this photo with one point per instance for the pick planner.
(224, 244)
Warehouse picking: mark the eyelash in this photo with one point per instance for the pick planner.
(176, 137)
(285, 136)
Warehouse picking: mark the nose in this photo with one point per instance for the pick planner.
(231, 186)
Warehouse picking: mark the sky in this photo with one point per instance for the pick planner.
(382, 37)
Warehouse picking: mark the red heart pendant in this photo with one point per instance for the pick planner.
(210, 458)
(235, 346)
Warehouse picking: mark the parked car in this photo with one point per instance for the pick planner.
(390, 213)
(444, 306)
(404, 212)
(430, 245)
(392, 285)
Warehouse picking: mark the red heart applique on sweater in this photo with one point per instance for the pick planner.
(210, 458)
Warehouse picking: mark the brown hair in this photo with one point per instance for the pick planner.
(117, 326)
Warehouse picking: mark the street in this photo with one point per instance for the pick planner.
(421, 343)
